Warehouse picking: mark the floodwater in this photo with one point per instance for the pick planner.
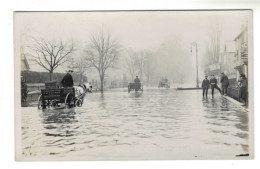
(155, 124)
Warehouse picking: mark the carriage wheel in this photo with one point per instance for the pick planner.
(69, 101)
(40, 105)
(40, 102)
(78, 103)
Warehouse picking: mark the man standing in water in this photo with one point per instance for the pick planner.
(67, 80)
(213, 82)
(205, 86)
(224, 83)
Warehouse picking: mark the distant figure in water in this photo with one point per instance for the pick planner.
(213, 82)
(137, 80)
(205, 86)
(137, 83)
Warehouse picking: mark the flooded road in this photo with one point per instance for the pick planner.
(158, 124)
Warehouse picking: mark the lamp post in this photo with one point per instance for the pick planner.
(197, 80)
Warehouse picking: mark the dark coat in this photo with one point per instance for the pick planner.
(213, 80)
(205, 83)
(67, 81)
(243, 82)
(224, 80)
(137, 80)
(242, 88)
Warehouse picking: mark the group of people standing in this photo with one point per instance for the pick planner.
(213, 83)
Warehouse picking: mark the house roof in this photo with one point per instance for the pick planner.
(244, 28)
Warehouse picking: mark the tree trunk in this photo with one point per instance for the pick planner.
(102, 82)
(51, 73)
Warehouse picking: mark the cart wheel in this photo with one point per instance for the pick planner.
(40, 105)
(69, 101)
(78, 103)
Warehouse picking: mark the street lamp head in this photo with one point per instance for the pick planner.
(194, 43)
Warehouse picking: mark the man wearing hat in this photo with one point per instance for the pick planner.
(137, 80)
(137, 83)
(67, 80)
(224, 83)
(205, 86)
(214, 84)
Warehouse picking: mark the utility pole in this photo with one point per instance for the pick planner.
(195, 44)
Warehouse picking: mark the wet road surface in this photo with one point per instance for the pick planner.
(158, 124)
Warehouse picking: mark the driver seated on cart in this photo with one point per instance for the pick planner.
(137, 83)
(67, 80)
(137, 80)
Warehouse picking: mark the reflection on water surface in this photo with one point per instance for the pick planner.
(158, 124)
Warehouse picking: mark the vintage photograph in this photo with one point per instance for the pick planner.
(134, 85)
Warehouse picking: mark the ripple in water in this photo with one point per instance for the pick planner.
(157, 124)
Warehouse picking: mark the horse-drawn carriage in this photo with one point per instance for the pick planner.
(53, 96)
(135, 86)
(164, 83)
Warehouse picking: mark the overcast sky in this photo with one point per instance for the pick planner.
(136, 30)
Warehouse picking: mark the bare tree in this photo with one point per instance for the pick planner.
(148, 66)
(50, 54)
(102, 53)
(81, 67)
(132, 63)
(140, 63)
(214, 41)
(172, 60)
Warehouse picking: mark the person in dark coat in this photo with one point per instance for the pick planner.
(205, 86)
(224, 83)
(213, 82)
(242, 82)
(137, 80)
(137, 83)
(67, 80)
